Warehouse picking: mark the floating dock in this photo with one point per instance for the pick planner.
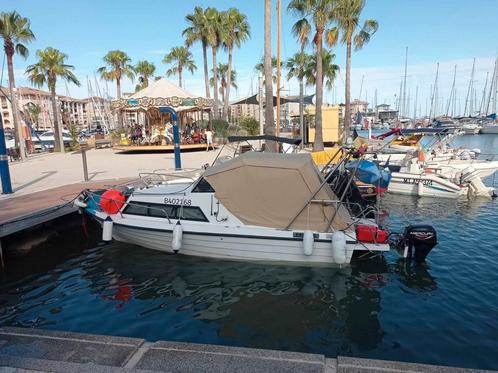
(29, 210)
(160, 148)
(23, 349)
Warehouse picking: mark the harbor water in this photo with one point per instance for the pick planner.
(442, 312)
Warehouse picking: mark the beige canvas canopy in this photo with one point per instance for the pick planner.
(269, 190)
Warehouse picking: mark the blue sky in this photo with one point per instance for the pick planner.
(446, 31)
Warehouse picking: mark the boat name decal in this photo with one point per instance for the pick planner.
(416, 181)
(178, 201)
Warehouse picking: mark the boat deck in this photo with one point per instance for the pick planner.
(160, 148)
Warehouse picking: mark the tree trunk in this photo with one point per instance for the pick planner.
(301, 110)
(318, 141)
(19, 138)
(215, 86)
(206, 71)
(226, 100)
(58, 139)
(180, 70)
(347, 113)
(301, 104)
(269, 121)
(120, 114)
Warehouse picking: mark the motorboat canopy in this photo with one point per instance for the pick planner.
(267, 189)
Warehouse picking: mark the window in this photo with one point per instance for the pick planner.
(157, 210)
(203, 187)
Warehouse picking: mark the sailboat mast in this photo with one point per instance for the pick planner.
(403, 107)
(481, 105)
(279, 25)
(415, 106)
(434, 97)
(452, 92)
(469, 91)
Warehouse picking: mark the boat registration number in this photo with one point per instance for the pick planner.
(416, 181)
(178, 201)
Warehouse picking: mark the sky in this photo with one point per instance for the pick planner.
(448, 32)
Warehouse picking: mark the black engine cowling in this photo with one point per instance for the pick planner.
(420, 239)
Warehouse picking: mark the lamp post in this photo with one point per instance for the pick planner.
(4, 162)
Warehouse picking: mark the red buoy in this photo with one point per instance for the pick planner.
(111, 201)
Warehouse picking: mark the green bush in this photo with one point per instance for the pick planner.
(220, 127)
(250, 125)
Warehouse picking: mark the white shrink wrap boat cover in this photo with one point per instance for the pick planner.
(268, 190)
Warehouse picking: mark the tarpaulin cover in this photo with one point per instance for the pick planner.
(268, 189)
(369, 172)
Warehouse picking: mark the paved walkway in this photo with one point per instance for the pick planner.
(46, 171)
(23, 349)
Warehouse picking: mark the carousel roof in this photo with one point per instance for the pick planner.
(163, 93)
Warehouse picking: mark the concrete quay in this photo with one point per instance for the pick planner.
(35, 350)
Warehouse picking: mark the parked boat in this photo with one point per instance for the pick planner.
(489, 129)
(257, 207)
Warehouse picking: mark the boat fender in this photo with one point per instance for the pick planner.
(308, 242)
(176, 242)
(107, 229)
(339, 247)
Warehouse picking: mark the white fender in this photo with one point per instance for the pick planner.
(176, 242)
(308, 242)
(107, 229)
(420, 188)
(339, 247)
(78, 202)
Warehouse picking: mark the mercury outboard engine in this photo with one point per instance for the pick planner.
(417, 241)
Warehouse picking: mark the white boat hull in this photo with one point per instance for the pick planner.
(424, 185)
(234, 243)
(489, 130)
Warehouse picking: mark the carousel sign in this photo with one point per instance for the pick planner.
(174, 101)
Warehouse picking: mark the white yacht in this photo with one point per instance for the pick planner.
(257, 207)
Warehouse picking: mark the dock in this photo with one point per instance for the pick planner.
(28, 210)
(160, 148)
(58, 351)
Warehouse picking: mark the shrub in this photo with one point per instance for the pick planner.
(250, 125)
(220, 127)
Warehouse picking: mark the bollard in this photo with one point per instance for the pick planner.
(83, 157)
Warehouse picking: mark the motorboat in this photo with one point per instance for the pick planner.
(47, 139)
(257, 207)
(490, 128)
(413, 177)
(470, 128)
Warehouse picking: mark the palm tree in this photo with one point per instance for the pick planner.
(33, 112)
(268, 74)
(317, 12)
(145, 70)
(235, 30)
(181, 58)
(15, 30)
(260, 68)
(118, 64)
(213, 37)
(330, 70)
(51, 66)
(347, 15)
(223, 79)
(197, 31)
(297, 67)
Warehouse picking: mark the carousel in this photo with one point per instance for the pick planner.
(151, 115)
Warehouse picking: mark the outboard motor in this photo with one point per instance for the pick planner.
(416, 242)
(420, 239)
